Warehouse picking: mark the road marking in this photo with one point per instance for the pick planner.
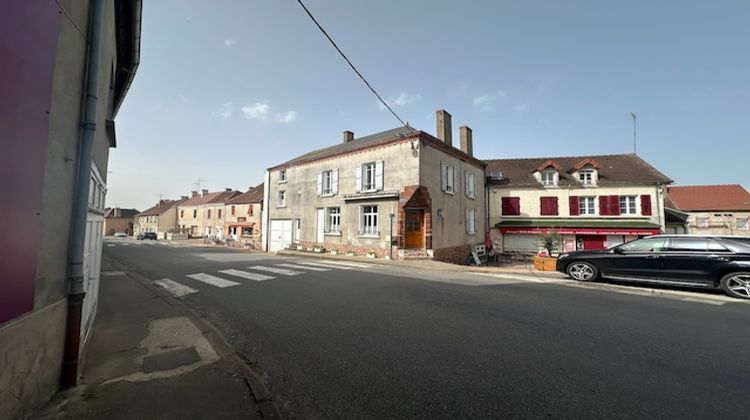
(111, 245)
(212, 280)
(336, 264)
(302, 267)
(113, 273)
(522, 277)
(174, 288)
(699, 300)
(275, 270)
(247, 275)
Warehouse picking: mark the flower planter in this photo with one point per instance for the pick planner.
(371, 255)
(545, 263)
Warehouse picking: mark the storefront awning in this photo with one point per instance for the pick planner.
(580, 227)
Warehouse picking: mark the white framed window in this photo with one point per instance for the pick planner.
(587, 177)
(627, 204)
(741, 223)
(369, 177)
(471, 221)
(586, 205)
(328, 182)
(369, 220)
(334, 219)
(702, 222)
(282, 175)
(282, 199)
(447, 178)
(549, 178)
(471, 184)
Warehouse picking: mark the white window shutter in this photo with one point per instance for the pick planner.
(473, 185)
(335, 181)
(452, 178)
(466, 183)
(358, 186)
(320, 184)
(443, 176)
(379, 175)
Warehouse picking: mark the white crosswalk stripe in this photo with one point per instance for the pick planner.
(111, 245)
(304, 267)
(247, 275)
(174, 288)
(344, 265)
(275, 270)
(212, 280)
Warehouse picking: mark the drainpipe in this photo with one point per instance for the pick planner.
(69, 375)
(659, 211)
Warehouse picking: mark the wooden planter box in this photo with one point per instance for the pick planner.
(545, 263)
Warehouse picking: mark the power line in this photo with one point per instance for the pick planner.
(352, 65)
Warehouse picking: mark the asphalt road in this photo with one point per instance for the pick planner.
(380, 342)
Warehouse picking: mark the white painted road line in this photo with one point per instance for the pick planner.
(347, 264)
(247, 275)
(523, 277)
(323, 265)
(336, 264)
(699, 300)
(174, 288)
(303, 267)
(275, 270)
(111, 245)
(212, 280)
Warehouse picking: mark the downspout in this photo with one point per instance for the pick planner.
(69, 374)
(659, 211)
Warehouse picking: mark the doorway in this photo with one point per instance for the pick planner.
(414, 229)
(320, 228)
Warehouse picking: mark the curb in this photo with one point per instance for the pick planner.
(267, 406)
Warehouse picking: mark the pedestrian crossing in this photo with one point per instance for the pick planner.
(230, 277)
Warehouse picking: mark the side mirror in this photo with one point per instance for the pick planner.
(618, 251)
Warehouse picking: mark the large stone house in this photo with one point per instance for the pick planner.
(594, 202)
(243, 216)
(117, 219)
(402, 191)
(712, 209)
(202, 215)
(161, 218)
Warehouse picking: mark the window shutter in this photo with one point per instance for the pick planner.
(473, 186)
(504, 206)
(466, 221)
(543, 206)
(250, 210)
(515, 206)
(555, 207)
(646, 205)
(320, 184)
(443, 177)
(466, 182)
(358, 185)
(614, 205)
(573, 204)
(335, 181)
(454, 177)
(604, 205)
(379, 175)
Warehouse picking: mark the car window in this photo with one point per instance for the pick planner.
(714, 246)
(644, 245)
(687, 245)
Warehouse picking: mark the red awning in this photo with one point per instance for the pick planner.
(582, 231)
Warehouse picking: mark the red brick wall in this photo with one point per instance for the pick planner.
(455, 255)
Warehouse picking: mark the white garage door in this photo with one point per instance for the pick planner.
(281, 235)
(521, 243)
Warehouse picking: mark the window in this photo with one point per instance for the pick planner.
(369, 177)
(282, 199)
(471, 221)
(586, 177)
(209, 213)
(644, 245)
(195, 213)
(219, 214)
(328, 182)
(247, 231)
(741, 223)
(232, 210)
(471, 184)
(586, 205)
(282, 175)
(549, 178)
(511, 206)
(548, 206)
(182, 214)
(627, 204)
(250, 210)
(701, 222)
(447, 178)
(370, 220)
(334, 219)
(687, 245)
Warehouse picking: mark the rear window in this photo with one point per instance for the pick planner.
(687, 244)
(737, 244)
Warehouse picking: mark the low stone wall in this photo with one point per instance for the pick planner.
(342, 249)
(455, 255)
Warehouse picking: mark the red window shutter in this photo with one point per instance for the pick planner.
(515, 203)
(548, 206)
(555, 207)
(573, 204)
(604, 205)
(209, 214)
(250, 210)
(504, 206)
(646, 205)
(543, 206)
(614, 205)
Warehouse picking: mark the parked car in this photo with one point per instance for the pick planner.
(121, 235)
(147, 235)
(680, 260)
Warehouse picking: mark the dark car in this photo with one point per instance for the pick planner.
(679, 260)
(147, 235)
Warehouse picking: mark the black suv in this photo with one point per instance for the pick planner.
(680, 260)
(147, 235)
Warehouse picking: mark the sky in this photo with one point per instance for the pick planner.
(226, 89)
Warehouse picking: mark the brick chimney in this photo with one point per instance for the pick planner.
(204, 193)
(444, 129)
(195, 193)
(184, 197)
(227, 189)
(348, 136)
(467, 143)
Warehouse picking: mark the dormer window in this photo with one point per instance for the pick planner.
(587, 177)
(549, 178)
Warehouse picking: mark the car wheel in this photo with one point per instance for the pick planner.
(737, 285)
(582, 271)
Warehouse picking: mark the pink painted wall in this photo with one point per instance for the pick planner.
(28, 46)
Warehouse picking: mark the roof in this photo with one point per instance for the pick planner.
(110, 213)
(128, 41)
(583, 223)
(210, 198)
(708, 197)
(613, 170)
(160, 207)
(253, 195)
(378, 139)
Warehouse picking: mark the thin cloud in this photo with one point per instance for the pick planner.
(255, 111)
(224, 111)
(286, 117)
(521, 107)
(484, 102)
(228, 42)
(401, 100)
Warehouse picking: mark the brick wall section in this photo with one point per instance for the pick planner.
(414, 196)
(454, 255)
(343, 249)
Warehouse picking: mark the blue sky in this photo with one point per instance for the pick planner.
(226, 89)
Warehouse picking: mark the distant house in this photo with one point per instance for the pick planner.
(712, 209)
(161, 218)
(594, 202)
(202, 215)
(243, 215)
(119, 220)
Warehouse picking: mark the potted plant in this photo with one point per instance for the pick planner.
(371, 253)
(550, 241)
(349, 253)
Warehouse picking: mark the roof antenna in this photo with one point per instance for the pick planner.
(635, 144)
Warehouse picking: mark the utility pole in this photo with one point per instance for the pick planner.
(635, 143)
(199, 183)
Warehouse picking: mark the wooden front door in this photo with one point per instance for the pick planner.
(415, 229)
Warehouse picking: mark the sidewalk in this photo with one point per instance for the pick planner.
(148, 358)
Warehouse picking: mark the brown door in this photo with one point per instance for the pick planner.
(415, 229)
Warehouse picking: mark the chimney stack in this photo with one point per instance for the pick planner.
(467, 143)
(444, 129)
(348, 136)
(205, 193)
(184, 197)
(227, 189)
(195, 193)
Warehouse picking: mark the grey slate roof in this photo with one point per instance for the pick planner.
(616, 170)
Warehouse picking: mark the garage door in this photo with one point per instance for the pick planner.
(281, 235)
(521, 243)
